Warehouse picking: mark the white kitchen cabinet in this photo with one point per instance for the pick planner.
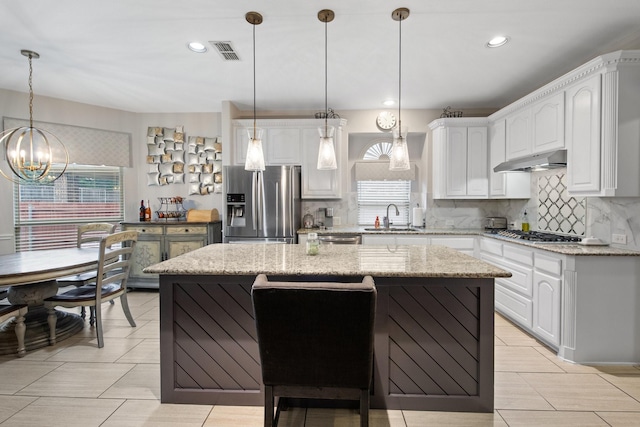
(546, 302)
(319, 184)
(460, 159)
(583, 136)
(280, 145)
(394, 239)
(295, 141)
(519, 134)
(283, 146)
(537, 128)
(547, 124)
(603, 110)
(504, 185)
(464, 244)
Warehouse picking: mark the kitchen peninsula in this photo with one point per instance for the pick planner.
(434, 321)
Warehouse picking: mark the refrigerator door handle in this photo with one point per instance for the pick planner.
(277, 209)
(260, 197)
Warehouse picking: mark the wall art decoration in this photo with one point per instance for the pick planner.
(204, 162)
(165, 155)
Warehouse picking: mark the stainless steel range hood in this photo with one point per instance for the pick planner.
(535, 162)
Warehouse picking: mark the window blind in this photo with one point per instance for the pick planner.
(46, 215)
(375, 196)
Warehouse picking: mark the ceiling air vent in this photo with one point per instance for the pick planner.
(226, 51)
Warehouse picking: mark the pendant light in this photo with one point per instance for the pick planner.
(326, 151)
(255, 156)
(399, 151)
(31, 152)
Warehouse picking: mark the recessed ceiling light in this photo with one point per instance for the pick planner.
(498, 41)
(197, 47)
(389, 102)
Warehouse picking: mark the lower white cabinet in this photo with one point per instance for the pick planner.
(531, 296)
(394, 239)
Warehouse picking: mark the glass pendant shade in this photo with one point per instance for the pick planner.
(326, 152)
(255, 156)
(399, 151)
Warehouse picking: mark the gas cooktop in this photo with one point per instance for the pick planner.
(539, 236)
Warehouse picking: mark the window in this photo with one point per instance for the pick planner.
(374, 195)
(46, 215)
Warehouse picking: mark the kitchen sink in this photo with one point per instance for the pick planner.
(391, 229)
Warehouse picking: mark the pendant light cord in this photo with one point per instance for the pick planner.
(254, 81)
(400, 77)
(326, 108)
(30, 93)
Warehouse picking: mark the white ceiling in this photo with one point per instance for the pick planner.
(132, 55)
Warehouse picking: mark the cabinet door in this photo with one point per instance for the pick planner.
(319, 184)
(477, 173)
(546, 307)
(146, 253)
(519, 134)
(455, 161)
(497, 151)
(283, 146)
(240, 144)
(583, 136)
(181, 245)
(547, 118)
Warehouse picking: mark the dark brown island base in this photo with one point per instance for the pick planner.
(434, 331)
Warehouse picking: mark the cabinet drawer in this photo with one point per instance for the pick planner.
(150, 229)
(548, 264)
(522, 256)
(521, 279)
(492, 246)
(187, 230)
(514, 306)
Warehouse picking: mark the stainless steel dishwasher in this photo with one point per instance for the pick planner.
(339, 239)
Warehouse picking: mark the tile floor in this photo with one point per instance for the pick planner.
(76, 384)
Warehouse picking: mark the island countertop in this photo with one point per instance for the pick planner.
(336, 260)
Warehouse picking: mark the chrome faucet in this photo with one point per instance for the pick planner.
(386, 221)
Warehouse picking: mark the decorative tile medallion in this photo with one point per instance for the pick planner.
(557, 211)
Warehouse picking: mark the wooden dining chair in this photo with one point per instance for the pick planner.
(315, 340)
(111, 282)
(7, 311)
(88, 234)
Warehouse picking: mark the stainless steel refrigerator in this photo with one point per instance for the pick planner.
(262, 206)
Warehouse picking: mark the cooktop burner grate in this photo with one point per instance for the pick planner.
(539, 236)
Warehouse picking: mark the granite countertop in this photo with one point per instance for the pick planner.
(336, 260)
(573, 249)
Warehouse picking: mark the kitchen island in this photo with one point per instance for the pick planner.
(434, 332)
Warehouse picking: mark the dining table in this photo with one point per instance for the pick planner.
(30, 277)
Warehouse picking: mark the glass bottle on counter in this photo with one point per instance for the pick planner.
(147, 212)
(142, 210)
(525, 222)
(313, 245)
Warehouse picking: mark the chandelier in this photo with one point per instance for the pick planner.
(30, 152)
(399, 151)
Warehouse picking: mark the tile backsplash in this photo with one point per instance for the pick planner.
(557, 211)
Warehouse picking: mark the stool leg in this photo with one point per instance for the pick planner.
(364, 408)
(268, 406)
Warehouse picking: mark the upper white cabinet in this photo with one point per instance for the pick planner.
(504, 185)
(319, 184)
(294, 142)
(547, 124)
(460, 159)
(519, 134)
(603, 134)
(583, 136)
(537, 128)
